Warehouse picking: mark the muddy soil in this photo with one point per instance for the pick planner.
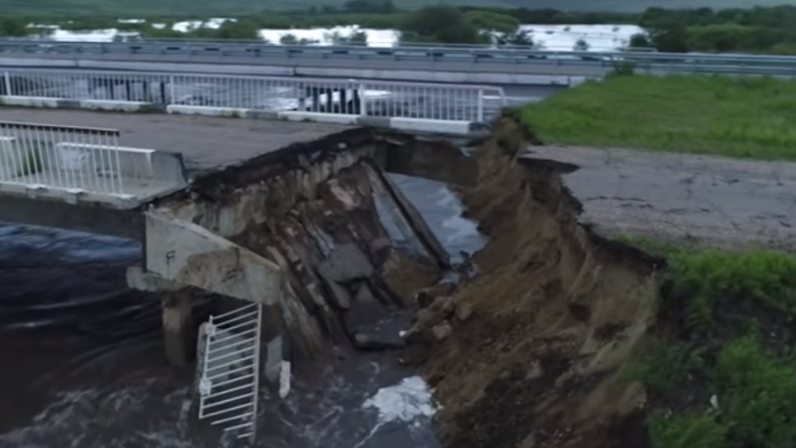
(527, 353)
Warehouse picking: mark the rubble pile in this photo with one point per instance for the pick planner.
(343, 266)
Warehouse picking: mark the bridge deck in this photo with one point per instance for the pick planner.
(205, 142)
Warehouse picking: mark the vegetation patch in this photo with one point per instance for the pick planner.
(720, 369)
(748, 117)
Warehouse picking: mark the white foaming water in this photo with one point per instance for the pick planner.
(461, 231)
(407, 401)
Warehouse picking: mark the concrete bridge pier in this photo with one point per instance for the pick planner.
(179, 331)
(180, 256)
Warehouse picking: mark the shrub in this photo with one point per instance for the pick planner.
(693, 430)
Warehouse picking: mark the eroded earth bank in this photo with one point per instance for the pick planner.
(527, 353)
(565, 338)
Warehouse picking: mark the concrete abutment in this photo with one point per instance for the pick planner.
(179, 332)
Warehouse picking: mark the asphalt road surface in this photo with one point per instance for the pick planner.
(715, 200)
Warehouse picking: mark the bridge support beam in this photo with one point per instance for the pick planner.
(179, 332)
(180, 254)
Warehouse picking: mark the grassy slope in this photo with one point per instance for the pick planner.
(695, 114)
(721, 371)
(89, 8)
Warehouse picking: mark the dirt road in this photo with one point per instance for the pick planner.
(716, 200)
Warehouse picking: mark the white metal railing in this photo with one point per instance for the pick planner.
(73, 159)
(230, 378)
(351, 97)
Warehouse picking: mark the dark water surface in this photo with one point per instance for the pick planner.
(84, 367)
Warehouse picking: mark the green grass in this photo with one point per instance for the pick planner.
(745, 118)
(744, 299)
(711, 277)
(690, 430)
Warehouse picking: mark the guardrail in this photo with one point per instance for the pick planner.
(73, 159)
(471, 60)
(449, 102)
(81, 163)
(255, 49)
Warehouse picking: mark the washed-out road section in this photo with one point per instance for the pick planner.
(712, 199)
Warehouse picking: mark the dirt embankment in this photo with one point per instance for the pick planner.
(526, 354)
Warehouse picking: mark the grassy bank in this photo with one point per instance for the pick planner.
(750, 117)
(721, 370)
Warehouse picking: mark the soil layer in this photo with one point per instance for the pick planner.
(527, 353)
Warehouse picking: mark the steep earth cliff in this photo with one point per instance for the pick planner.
(527, 352)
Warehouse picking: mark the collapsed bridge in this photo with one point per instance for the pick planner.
(291, 232)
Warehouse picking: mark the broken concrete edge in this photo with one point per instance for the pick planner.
(524, 154)
(444, 127)
(328, 149)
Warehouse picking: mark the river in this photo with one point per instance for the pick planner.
(84, 366)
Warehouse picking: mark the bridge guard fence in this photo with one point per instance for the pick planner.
(230, 378)
(73, 159)
(103, 89)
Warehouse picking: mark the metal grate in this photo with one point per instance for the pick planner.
(230, 382)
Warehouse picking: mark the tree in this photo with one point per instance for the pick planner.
(241, 30)
(518, 39)
(13, 28)
(581, 45)
(292, 39)
(639, 40)
(490, 21)
(357, 37)
(439, 23)
(669, 38)
(370, 6)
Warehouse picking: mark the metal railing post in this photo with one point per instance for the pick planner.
(7, 83)
(363, 102)
(172, 93)
(480, 110)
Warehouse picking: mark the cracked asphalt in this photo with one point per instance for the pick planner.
(675, 196)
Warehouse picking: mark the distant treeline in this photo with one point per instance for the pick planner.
(755, 30)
